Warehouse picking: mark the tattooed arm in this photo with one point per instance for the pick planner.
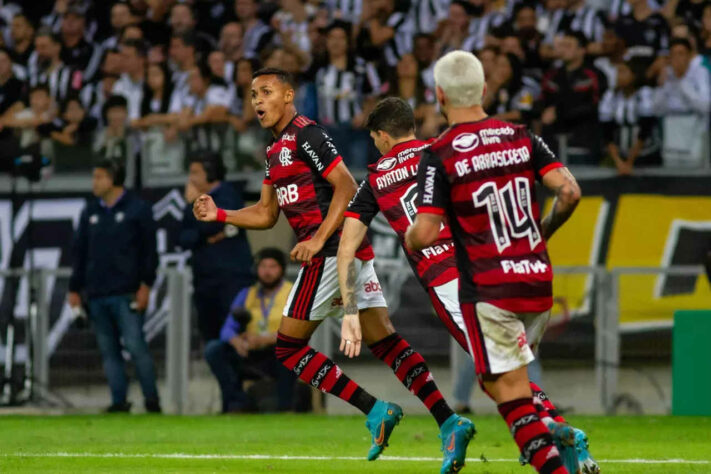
(353, 233)
(567, 196)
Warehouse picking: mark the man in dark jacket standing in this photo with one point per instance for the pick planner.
(221, 258)
(571, 95)
(114, 266)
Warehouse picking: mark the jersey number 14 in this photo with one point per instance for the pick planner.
(510, 212)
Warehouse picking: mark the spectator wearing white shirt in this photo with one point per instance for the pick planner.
(182, 20)
(22, 34)
(485, 18)
(204, 114)
(385, 31)
(291, 24)
(429, 15)
(94, 96)
(683, 98)
(130, 84)
(457, 33)
(256, 33)
(155, 102)
(182, 56)
(231, 46)
(629, 121)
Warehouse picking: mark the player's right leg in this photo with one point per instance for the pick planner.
(315, 296)
(572, 442)
(497, 339)
(445, 301)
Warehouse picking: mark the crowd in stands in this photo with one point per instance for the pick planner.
(622, 83)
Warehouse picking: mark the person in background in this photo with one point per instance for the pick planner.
(112, 141)
(241, 111)
(683, 99)
(26, 121)
(347, 87)
(249, 340)
(629, 122)
(221, 257)
(256, 34)
(510, 96)
(231, 44)
(95, 95)
(46, 67)
(571, 94)
(155, 100)
(182, 20)
(11, 88)
(121, 17)
(202, 115)
(183, 60)
(74, 128)
(131, 83)
(22, 33)
(77, 52)
(114, 261)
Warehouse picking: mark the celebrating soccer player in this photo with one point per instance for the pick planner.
(479, 177)
(307, 179)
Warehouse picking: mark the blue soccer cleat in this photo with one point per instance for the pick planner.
(455, 433)
(588, 465)
(381, 422)
(564, 438)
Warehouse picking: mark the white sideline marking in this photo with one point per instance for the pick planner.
(312, 458)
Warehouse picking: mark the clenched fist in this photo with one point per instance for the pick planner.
(204, 209)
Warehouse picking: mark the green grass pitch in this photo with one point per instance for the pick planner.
(145, 443)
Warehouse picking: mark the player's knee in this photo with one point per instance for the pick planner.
(287, 346)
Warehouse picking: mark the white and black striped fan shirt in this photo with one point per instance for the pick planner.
(401, 43)
(586, 20)
(619, 8)
(346, 10)
(61, 81)
(427, 14)
(341, 92)
(625, 119)
(207, 136)
(256, 38)
(479, 28)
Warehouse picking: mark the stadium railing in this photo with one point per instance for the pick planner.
(48, 320)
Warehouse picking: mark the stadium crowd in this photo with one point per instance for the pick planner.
(623, 83)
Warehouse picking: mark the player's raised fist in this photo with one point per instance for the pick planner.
(204, 208)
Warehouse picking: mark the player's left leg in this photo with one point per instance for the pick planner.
(564, 434)
(410, 368)
(315, 296)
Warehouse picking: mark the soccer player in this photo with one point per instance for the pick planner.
(391, 188)
(479, 177)
(306, 178)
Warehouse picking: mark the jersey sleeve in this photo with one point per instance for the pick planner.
(363, 206)
(432, 185)
(316, 148)
(543, 158)
(267, 175)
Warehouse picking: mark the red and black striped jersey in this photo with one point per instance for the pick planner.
(298, 162)
(391, 187)
(481, 175)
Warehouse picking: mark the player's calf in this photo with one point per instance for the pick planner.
(319, 371)
(411, 369)
(532, 436)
